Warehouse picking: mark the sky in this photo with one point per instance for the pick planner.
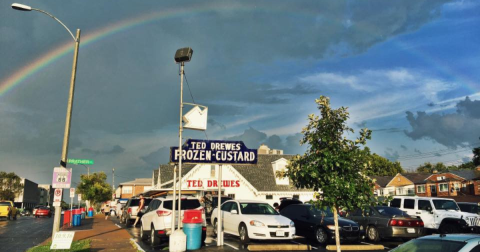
(408, 70)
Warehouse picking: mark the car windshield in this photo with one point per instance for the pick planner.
(426, 245)
(391, 211)
(4, 204)
(321, 212)
(257, 208)
(445, 205)
(186, 204)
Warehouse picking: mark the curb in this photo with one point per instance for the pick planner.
(356, 247)
(137, 247)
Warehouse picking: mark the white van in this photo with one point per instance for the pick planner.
(438, 214)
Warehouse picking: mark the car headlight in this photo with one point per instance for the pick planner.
(256, 223)
(361, 228)
(292, 224)
(332, 227)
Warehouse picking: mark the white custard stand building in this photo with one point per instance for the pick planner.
(256, 182)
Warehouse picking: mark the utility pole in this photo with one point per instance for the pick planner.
(113, 182)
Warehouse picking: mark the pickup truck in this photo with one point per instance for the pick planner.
(8, 210)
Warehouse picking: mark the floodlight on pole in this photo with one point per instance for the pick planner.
(66, 135)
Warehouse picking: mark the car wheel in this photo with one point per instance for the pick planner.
(372, 234)
(154, 240)
(321, 236)
(143, 235)
(215, 228)
(449, 229)
(243, 232)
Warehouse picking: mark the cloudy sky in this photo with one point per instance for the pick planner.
(408, 70)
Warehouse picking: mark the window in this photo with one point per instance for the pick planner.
(126, 189)
(443, 187)
(421, 189)
(231, 196)
(268, 196)
(409, 203)
(424, 205)
(358, 212)
(395, 203)
(456, 186)
(296, 196)
(212, 171)
(234, 207)
(227, 206)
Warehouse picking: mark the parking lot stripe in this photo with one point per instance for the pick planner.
(231, 246)
(374, 244)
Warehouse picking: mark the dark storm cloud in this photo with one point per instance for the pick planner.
(251, 137)
(388, 130)
(466, 159)
(431, 104)
(117, 149)
(160, 156)
(451, 130)
(391, 155)
(437, 154)
(215, 124)
(417, 151)
(403, 147)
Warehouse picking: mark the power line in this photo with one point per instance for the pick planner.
(436, 153)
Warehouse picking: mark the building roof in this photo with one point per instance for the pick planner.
(138, 181)
(261, 175)
(382, 181)
(416, 178)
(466, 174)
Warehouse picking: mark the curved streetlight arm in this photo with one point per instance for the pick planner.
(64, 26)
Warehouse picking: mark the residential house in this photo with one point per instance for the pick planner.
(400, 184)
(449, 184)
(134, 187)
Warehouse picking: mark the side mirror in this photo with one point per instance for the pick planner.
(234, 211)
(429, 209)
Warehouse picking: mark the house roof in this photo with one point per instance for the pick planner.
(261, 175)
(466, 174)
(382, 180)
(416, 178)
(138, 181)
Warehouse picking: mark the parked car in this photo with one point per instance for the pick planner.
(251, 219)
(443, 243)
(319, 224)
(469, 207)
(36, 208)
(438, 214)
(129, 213)
(387, 222)
(210, 205)
(43, 211)
(156, 223)
(8, 210)
(284, 202)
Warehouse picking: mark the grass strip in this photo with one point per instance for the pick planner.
(77, 246)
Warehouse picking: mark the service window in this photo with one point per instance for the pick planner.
(424, 205)
(409, 203)
(395, 203)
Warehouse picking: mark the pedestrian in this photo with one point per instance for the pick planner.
(106, 210)
(139, 210)
(276, 206)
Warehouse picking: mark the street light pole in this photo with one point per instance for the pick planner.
(66, 135)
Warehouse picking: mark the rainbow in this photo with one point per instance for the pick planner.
(48, 58)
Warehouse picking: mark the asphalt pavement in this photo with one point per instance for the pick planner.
(24, 233)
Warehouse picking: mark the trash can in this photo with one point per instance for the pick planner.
(66, 218)
(83, 212)
(77, 216)
(90, 212)
(192, 227)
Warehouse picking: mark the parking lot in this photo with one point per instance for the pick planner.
(233, 243)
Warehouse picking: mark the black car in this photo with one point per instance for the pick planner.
(469, 207)
(319, 224)
(387, 222)
(284, 202)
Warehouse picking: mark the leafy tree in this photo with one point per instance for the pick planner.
(381, 166)
(429, 168)
(10, 185)
(476, 156)
(94, 188)
(333, 164)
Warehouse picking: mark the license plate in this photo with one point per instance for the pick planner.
(280, 233)
(411, 230)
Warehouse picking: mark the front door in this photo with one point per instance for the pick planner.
(433, 190)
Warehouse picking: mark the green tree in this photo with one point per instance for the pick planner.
(476, 156)
(381, 166)
(430, 168)
(94, 188)
(10, 185)
(333, 164)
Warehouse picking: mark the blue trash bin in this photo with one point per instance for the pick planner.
(193, 231)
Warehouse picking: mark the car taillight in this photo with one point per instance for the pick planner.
(204, 228)
(129, 210)
(8, 208)
(161, 232)
(406, 223)
(163, 213)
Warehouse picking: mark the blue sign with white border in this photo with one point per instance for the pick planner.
(195, 151)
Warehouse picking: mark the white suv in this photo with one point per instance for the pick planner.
(156, 223)
(438, 214)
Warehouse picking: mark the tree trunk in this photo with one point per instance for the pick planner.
(337, 234)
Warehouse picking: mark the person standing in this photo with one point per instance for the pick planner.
(139, 210)
(106, 211)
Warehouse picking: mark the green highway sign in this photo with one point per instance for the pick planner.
(80, 161)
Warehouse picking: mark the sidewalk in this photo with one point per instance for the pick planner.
(104, 235)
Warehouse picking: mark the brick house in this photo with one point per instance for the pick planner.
(449, 184)
(400, 184)
(134, 187)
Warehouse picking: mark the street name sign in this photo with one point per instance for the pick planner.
(62, 240)
(196, 151)
(61, 177)
(72, 192)
(57, 197)
(80, 161)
